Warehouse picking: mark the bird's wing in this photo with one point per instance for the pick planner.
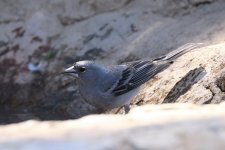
(136, 73)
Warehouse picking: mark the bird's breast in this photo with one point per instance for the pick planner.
(92, 96)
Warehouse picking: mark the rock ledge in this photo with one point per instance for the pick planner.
(158, 127)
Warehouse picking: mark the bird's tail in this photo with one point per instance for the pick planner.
(179, 51)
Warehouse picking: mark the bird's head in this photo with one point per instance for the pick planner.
(87, 71)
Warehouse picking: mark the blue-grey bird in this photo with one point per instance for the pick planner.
(108, 87)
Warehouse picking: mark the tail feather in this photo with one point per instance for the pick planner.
(180, 51)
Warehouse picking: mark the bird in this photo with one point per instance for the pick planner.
(114, 86)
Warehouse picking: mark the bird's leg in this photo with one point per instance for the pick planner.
(126, 108)
(118, 110)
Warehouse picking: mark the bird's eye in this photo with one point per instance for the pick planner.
(82, 69)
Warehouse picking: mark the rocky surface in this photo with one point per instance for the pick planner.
(158, 127)
(196, 77)
(40, 38)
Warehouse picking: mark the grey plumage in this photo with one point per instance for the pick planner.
(108, 87)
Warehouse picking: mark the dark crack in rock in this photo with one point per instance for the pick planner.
(3, 48)
(92, 54)
(221, 82)
(19, 32)
(101, 37)
(217, 88)
(129, 58)
(66, 20)
(182, 86)
(200, 2)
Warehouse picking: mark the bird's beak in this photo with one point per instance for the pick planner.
(70, 71)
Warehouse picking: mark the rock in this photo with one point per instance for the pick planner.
(199, 2)
(43, 24)
(144, 34)
(57, 33)
(194, 78)
(158, 127)
(13, 11)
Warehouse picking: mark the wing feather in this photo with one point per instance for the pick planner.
(136, 74)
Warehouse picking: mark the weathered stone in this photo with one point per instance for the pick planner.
(193, 78)
(58, 32)
(55, 33)
(159, 127)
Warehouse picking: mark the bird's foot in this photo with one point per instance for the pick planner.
(117, 112)
(126, 108)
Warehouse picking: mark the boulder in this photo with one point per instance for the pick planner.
(158, 127)
(196, 77)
